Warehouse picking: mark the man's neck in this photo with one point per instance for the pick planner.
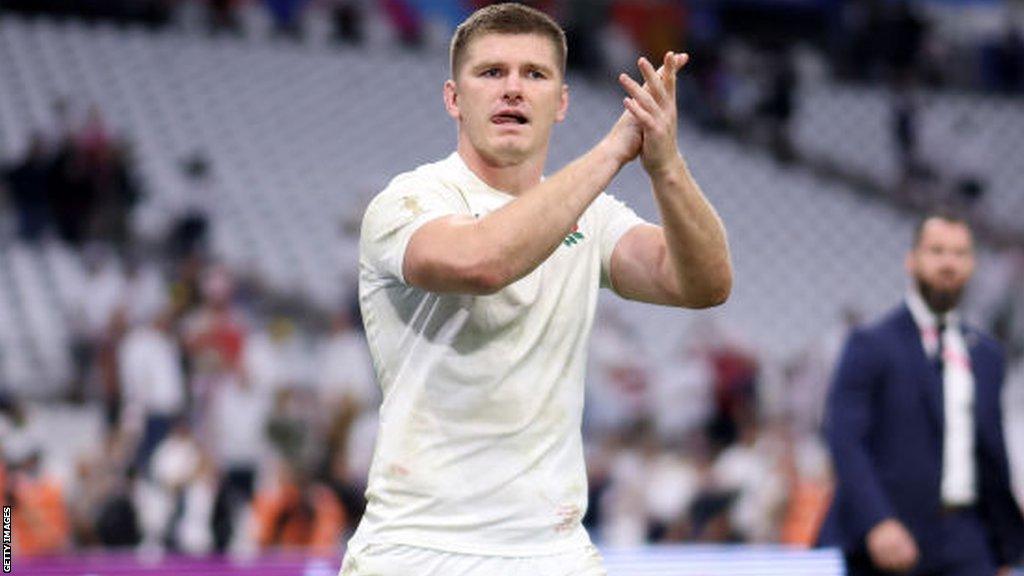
(512, 179)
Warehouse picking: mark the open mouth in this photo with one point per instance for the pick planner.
(509, 118)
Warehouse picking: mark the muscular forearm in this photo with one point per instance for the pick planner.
(526, 231)
(697, 260)
(483, 255)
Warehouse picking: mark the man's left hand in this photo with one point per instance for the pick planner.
(654, 107)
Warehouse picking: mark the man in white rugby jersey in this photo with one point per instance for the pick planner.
(478, 284)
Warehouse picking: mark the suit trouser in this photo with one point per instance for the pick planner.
(962, 551)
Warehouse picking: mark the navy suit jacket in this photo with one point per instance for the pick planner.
(884, 425)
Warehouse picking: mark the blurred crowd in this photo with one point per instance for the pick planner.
(75, 180)
(745, 70)
(232, 424)
(692, 449)
(224, 426)
(865, 40)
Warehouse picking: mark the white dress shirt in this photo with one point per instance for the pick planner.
(958, 463)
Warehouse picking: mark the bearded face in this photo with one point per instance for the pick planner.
(940, 300)
(942, 263)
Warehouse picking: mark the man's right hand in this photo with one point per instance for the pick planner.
(624, 140)
(892, 547)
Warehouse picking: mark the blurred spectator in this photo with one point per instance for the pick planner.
(190, 229)
(348, 397)
(905, 119)
(89, 185)
(582, 24)
(619, 396)
(93, 138)
(710, 518)
(1008, 61)
(778, 104)
(969, 161)
(1014, 422)
(808, 376)
(958, 148)
(222, 16)
(903, 34)
(349, 463)
(348, 18)
(43, 526)
(152, 12)
(62, 126)
(107, 367)
(345, 371)
(185, 287)
(72, 193)
(214, 337)
(98, 322)
(145, 290)
(275, 358)
(100, 497)
(735, 385)
(214, 334)
(682, 392)
(1007, 317)
(117, 519)
(193, 530)
(655, 26)
(298, 512)
(116, 194)
(27, 187)
(286, 16)
(672, 483)
(18, 440)
(859, 25)
(150, 363)
(179, 503)
(624, 520)
(704, 89)
(290, 430)
(806, 469)
(238, 429)
(880, 40)
(406, 21)
(750, 469)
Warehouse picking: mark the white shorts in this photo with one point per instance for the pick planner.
(402, 560)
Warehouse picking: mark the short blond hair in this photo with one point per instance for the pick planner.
(506, 18)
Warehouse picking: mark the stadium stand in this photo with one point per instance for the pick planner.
(287, 133)
(958, 135)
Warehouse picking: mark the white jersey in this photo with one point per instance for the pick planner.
(480, 449)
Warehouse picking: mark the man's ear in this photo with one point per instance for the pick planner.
(451, 98)
(563, 107)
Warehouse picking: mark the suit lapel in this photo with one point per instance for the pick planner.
(930, 379)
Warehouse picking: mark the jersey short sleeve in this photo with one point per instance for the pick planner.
(393, 216)
(615, 220)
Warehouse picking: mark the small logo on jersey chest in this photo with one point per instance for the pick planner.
(412, 205)
(574, 237)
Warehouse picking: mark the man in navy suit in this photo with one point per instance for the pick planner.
(914, 424)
